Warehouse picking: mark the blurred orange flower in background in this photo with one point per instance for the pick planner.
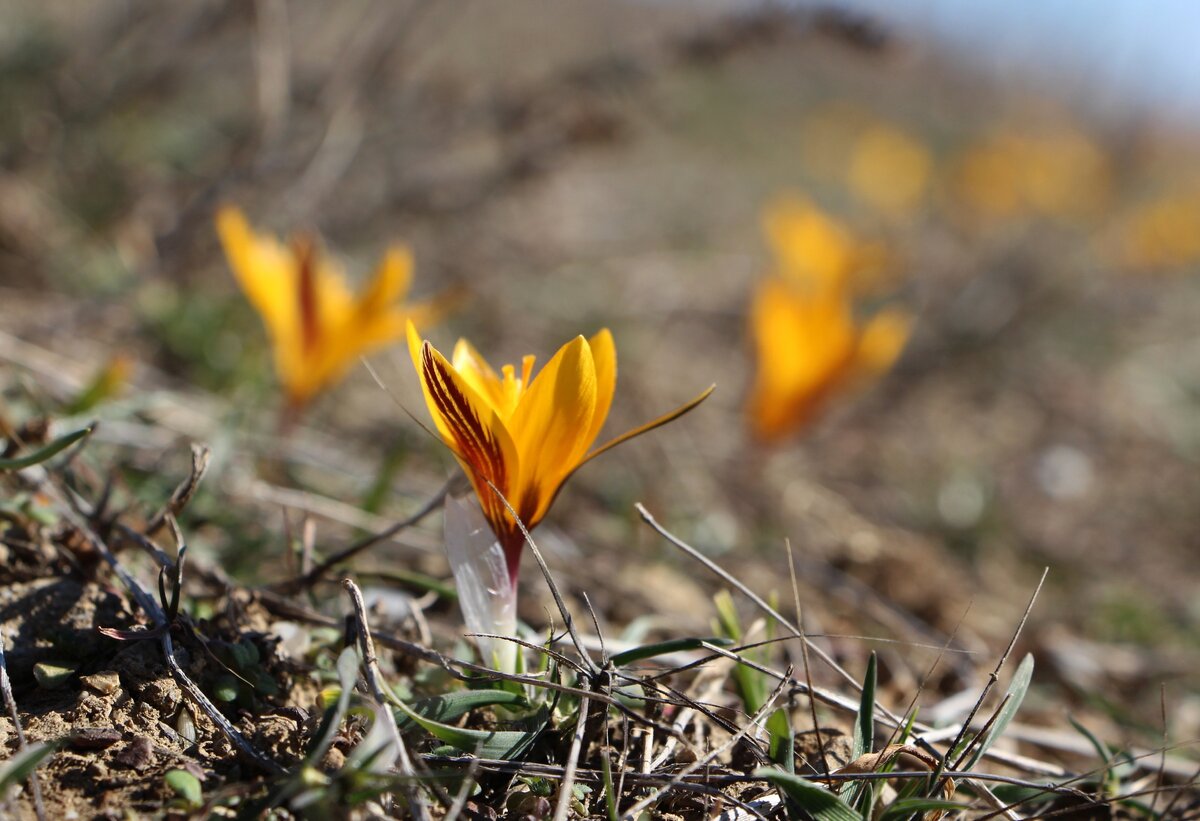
(317, 326)
(808, 344)
(524, 434)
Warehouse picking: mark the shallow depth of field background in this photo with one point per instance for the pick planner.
(607, 165)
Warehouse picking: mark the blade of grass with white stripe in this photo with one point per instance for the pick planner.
(864, 734)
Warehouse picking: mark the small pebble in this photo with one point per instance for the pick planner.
(94, 738)
(105, 682)
(137, 754)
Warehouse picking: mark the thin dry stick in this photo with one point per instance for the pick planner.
(994, 676)
(35, 786)
(656, 779)
(754, 597)
(313, 576)
(568, 780)
(685, 716)
(464, 791)
(636, 809)
(1162, 762)
(812, 702)
(201, 454)
(416, 803)
(912, 703)
(151, 608)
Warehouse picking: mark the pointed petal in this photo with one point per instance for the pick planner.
(670, 416)
(389, 283)
(804, 345)
(265, 270)
(487, 594)
(811, 249)
(472, 367)
(604, 355)
(550, 424)
(472, 429)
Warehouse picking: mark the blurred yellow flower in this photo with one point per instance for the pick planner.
(318, 328)
(813, 249)
(1061, 174)
(889, 170)
(807, 342)
(523, 434)
(1162, 234)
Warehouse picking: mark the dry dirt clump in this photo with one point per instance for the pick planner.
(122, 720)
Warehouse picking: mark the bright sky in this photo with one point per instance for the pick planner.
(1128, 56)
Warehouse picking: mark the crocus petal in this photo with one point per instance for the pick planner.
(549, 425)
(389, 284)
(805, 346)
(471, 428)
(670, 416)
(472, 367)
(813, 250)
(265, 270)
(604, 355)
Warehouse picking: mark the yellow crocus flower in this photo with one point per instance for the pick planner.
(807, 341)
(318, 327)
(523, 434)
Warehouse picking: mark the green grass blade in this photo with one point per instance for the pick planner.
(21, 766)
(501, 744)
(664, 647)
(1015, 695)
(450, 706)
(38, 456)
(864, 728)
(347, 670)
(908, 807)
(781, 746)
(864, 722)
(812, 798)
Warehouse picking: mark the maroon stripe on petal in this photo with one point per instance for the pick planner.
(475, 442)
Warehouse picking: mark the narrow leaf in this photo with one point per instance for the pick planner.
(501, 744)
(450, 706)
(814, 799)
(864, 723)
(907, 807)
(662, 648)
(347, 670)
(1015, 695)
(781, 746)
(864, 727)
(39, 456)
(22, 765)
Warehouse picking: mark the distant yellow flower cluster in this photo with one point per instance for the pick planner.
(1163, 234)
(1060, 173)
(808, 342)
